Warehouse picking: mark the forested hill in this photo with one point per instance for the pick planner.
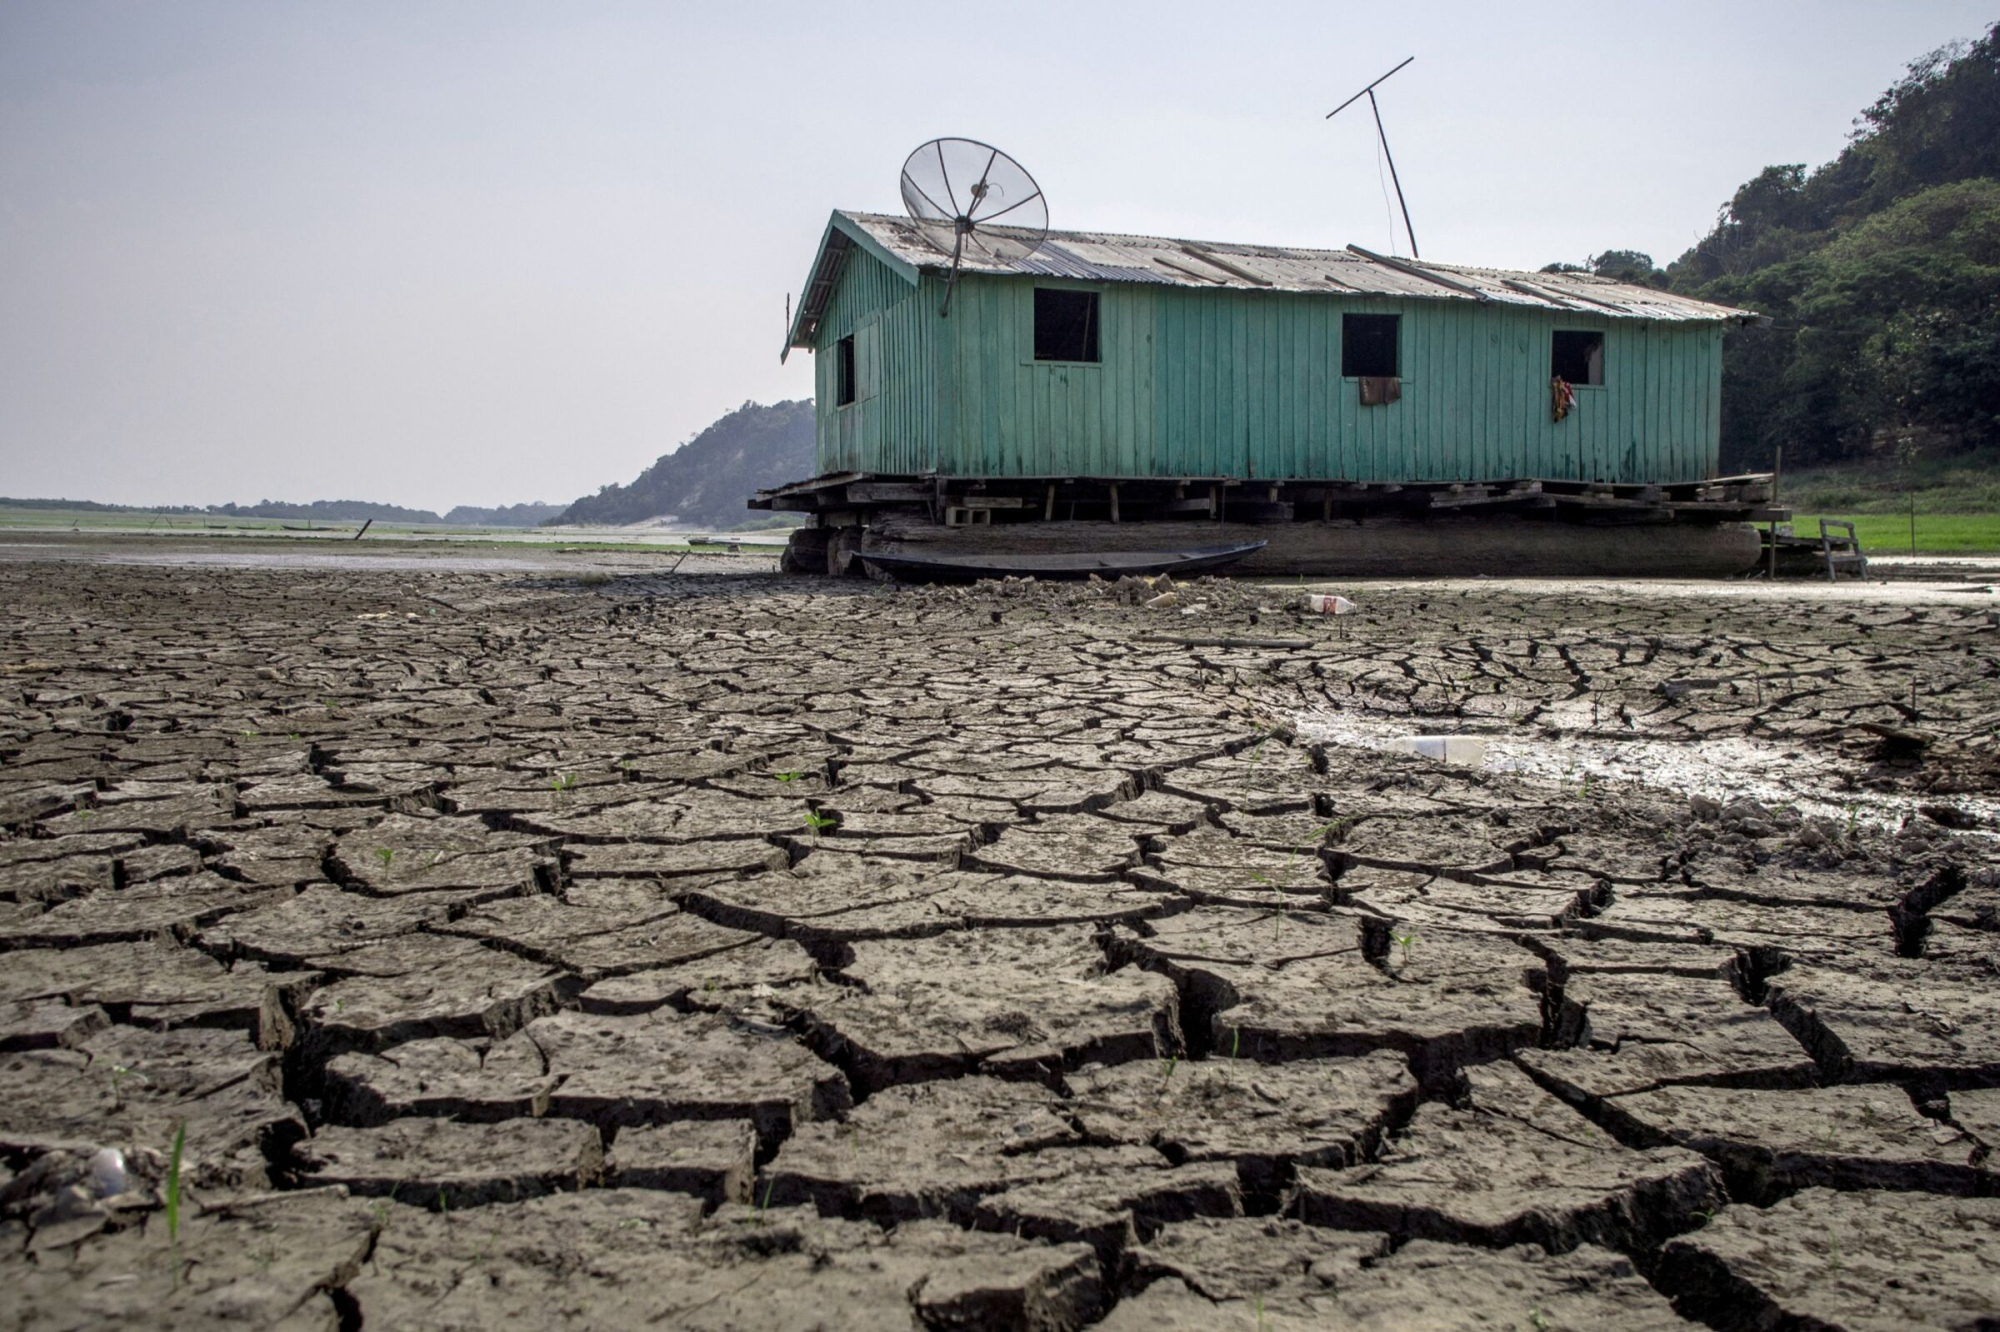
(706, 481)
(1880, 272)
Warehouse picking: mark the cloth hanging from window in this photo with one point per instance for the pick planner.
(1380, 390)
(1561, 398)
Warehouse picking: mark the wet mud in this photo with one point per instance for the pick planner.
(461, 947)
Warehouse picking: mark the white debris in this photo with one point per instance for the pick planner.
(1468, 750)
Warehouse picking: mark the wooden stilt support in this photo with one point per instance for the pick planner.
(1114, 501)
(1049, 503)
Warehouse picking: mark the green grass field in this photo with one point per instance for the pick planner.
(1966, 484)
(1937, 533)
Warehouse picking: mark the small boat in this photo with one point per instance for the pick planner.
(1079, 564)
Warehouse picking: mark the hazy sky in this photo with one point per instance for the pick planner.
(440, 253)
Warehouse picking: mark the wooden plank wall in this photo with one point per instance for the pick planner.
(890, 427)
(1247, 384)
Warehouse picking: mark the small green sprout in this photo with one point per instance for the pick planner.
(119, 1073)
(444, 1205)
(1235, 1041)
(1703, 1215)
(1406, 942)
(385, 854)
(173, 1201)
(787, 776)
(563, 781)
(248, 734)
(1167, 1067)
(1538, 1320)
(819, 822)
(757, 1209)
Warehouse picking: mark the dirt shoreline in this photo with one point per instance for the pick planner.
(583, 944)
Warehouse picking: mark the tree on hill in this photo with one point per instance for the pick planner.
(1879, 272)
(1624, 265)
(707, 482)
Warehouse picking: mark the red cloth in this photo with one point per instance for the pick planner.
(1561, 398)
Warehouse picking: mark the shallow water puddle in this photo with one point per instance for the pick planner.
(1727, 768)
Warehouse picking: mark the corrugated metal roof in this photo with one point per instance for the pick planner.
(1108, 257)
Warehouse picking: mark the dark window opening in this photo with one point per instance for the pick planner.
(843, 371)
(1576, 356)
(1368, 345)
(1065, 325)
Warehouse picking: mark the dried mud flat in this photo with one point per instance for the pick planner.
(721, 951)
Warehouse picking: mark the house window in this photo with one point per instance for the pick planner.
(843, 371)
(1576, 356)
(1065, 325)
(1368, 345)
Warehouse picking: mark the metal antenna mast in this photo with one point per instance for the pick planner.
(1380, 133)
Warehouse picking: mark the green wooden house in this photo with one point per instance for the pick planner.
(1114, 357)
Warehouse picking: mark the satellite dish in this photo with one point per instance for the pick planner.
(970, 199)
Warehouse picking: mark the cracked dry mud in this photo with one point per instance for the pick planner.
(729, 952)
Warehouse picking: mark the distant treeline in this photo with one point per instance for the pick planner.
(328, 511)
(1879, 273)
(512, 515)
(92, 506)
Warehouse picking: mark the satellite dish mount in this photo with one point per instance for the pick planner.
(1383, 136)
(973, 202)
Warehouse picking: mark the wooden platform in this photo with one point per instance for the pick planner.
(1225, 499)
(1524, 526)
